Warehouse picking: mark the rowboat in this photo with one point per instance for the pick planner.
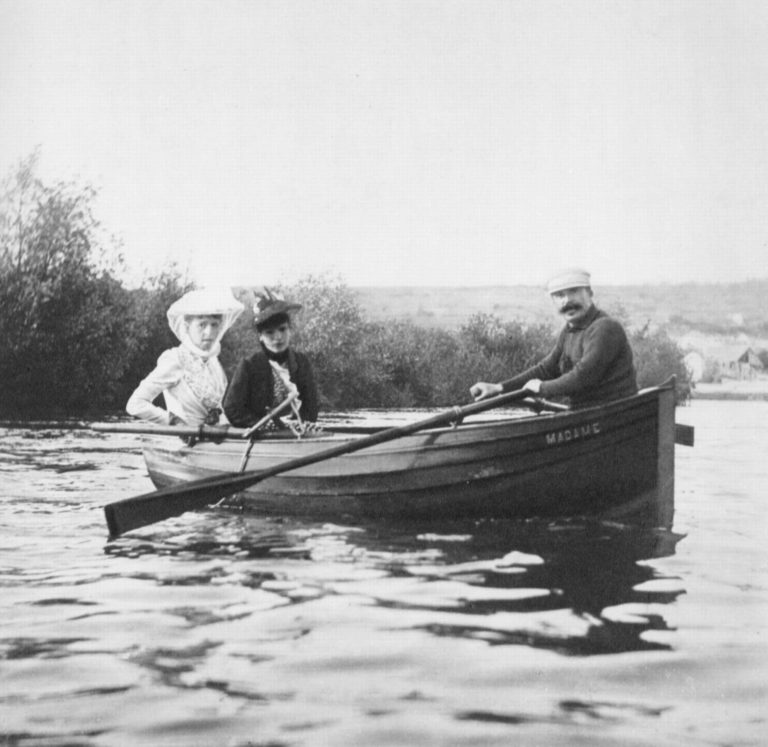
(615, 460)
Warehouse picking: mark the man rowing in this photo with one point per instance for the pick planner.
(591, 361)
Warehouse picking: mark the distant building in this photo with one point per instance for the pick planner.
(735, 361)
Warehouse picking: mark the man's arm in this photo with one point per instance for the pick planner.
(546, 368)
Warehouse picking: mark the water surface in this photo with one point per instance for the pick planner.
(228, 629)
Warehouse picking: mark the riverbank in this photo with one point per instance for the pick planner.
(732, 389)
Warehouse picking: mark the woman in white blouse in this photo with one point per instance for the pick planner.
(189, 376)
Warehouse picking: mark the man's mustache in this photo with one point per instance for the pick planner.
(571, 307)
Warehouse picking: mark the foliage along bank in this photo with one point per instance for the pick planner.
(77, 341)
(364, 364)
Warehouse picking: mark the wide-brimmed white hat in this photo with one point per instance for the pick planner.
(204, 302)
(570, 277)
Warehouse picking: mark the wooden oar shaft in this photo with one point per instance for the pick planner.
(271, 414)
(140, 428)
(132, 513)
(183, 431)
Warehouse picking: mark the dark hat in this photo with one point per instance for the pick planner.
(269, 304)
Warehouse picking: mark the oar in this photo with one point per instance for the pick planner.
(271, 414)
(200, 432)
(253, 430)
(132, 513)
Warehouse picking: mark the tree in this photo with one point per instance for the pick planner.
(64, 318)
(332, 330)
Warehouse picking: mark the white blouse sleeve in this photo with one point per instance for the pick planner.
(166, 374)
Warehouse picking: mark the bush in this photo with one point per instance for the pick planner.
(414, 365)
(657, 357)
(498, 350)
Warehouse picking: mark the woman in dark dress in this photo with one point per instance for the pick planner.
(266, 378)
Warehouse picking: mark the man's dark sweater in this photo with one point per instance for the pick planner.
(591, 363)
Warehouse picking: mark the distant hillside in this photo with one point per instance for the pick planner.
(714, 308)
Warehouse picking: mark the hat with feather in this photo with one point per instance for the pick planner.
(269, 305)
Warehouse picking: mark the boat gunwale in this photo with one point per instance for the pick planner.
(528, 425)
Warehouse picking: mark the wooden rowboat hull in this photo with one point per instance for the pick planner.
(614, 460)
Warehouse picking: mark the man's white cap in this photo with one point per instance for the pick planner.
(571, 277)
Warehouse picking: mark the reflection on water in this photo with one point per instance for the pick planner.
(487, 572)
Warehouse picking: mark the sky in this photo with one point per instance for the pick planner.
(403, 142)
